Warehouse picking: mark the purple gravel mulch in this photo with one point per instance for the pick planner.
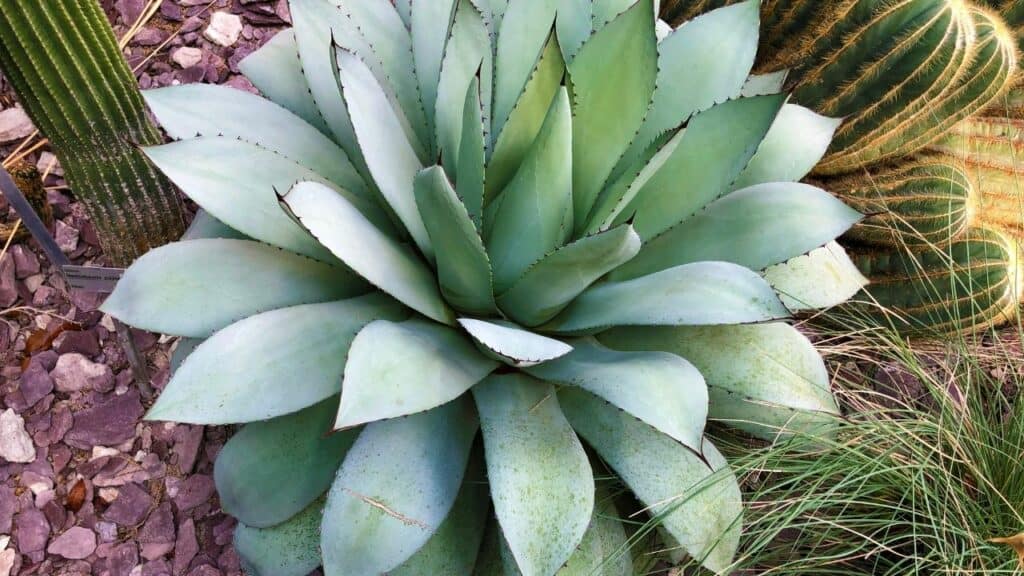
(87, 487)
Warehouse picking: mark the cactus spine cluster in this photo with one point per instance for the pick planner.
(64, 63)
(906, 75)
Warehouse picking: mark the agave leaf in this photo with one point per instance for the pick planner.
(288, 549)
(700, 506)
(524, 31)
(376, 34)
(392, 267)
(796, 142)
(506, 342)
(604, 549)
(454, 547)
(404, 8)
(238, 114)
(764, 84)
(551, 284)
(619, 193)
(182, 350)
(271, 470)
(236, 182)
(574, 25)
(607, 10)
(205, 226)
(755, 227)
(197, 287)
(703, 62)
(766, 379)
(267, 365)
(472, 146)
(518, 134)
(823, 278)
(463, 269)
(400, 368)
(431, 22)
(373, 521)
(272, 70)
(541, 483)
(391, 158)
(659, 388)
(534, 214)
(613, 78)
(493, 11)
(702, 293)
(467, 53)
(313, 22)
(714, 149)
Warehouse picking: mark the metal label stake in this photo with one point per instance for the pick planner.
(88, 278)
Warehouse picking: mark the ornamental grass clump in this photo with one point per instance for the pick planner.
(575, 237)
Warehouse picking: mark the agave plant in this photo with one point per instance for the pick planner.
(449, 217)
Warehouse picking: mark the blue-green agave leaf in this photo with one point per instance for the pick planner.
(551, 284)
(271, 470)
(697, 500)
(574, 25)
(374, 519)
(797, 140)
(467, 54)
(182, 350)
(238, 114)
(197, 287)
(205, 226)
(613, 78)
(400, 368)
(394, 268)
(764, 84)
(431, 23)
(703, 62)
(288, 549)
(391, 158)
(525, 28)
(315, 23)
(715, 147)
(454, 547)
(822, 278)
(517, 135)
(237, 183)
(268, 365)
(767, 379)
(272, 70)
(755, 227)
(472, 156)
(533, 216)
(702, 293)
(463, 269)
(660, 388)
(541, 483)
(508, 343)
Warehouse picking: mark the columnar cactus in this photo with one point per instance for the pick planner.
(926, 202)
(472, 246)
(64, 63)
(973, 283)
(902, 74)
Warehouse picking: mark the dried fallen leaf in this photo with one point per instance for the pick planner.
(1015, 542)
(41, 340)
(76, 496)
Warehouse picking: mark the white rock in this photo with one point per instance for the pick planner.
(45, 159)
(108, 495)
(7, 561)
(66, 237)
(187, 56)
(74, 372)
(33, 282)
(14, 124)
(224, 28)
(107, 322)
(101, 451)
(15, 443)
(3, 541)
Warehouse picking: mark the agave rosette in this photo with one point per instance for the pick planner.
(576, 238)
